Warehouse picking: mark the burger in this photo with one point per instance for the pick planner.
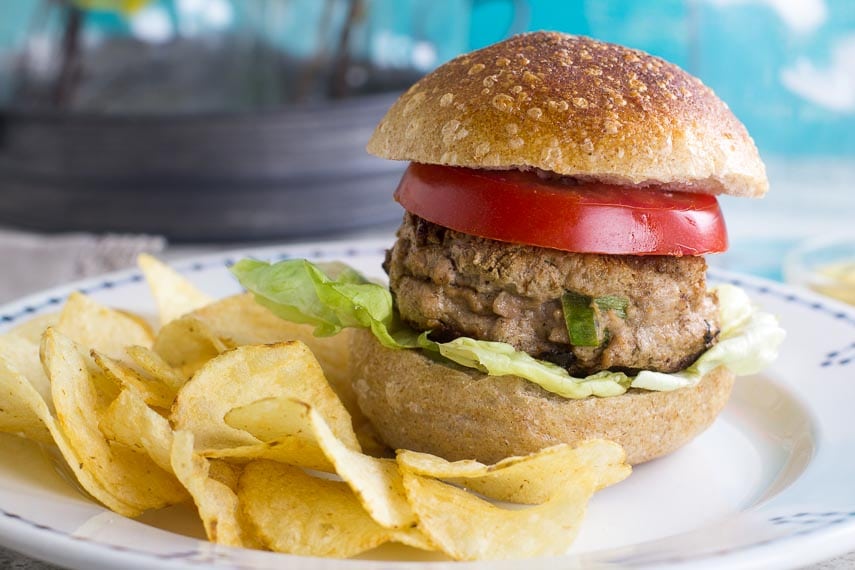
(548, 282)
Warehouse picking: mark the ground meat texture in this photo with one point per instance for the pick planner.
(460, 285)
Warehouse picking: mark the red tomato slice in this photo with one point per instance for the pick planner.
(521, 207)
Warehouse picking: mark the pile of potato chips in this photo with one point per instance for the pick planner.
(252, 418)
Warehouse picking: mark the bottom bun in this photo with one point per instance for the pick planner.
(417, 403)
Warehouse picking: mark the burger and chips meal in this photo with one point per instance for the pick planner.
(548, 325)
(560, 198)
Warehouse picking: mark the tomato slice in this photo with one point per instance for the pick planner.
(520, 207)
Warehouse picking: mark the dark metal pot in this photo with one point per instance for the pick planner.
(295, 172)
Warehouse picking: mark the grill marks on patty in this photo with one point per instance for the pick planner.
(460, 285)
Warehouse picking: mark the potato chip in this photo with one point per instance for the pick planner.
(530, 479)
(131, 477)
(151, 391)
(248, 374)
(140, 320)
(156, 367)
(243, 321)
(23, 355)
(21, 394)
(298, 435)
(174, 295)
(285, 427)
(187, 344)
(316, 517)
(33, 329)
(469, 528)
(94, 326)
(294, 451)
(301, 437)
(225, 473)
(376, 482)
(269, 419)
(82, 320)
(131, 422)
(240, 321)
(216, 502)
(18, 413)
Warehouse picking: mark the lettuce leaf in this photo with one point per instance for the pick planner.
(499, 359)
(299, 291)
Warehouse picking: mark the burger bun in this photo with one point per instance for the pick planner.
(577, 107)
(422, 404)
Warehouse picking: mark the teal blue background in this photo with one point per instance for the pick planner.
(739, 48)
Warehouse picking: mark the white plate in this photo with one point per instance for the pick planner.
(771, 484)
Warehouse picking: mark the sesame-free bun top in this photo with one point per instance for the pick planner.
(576, 107)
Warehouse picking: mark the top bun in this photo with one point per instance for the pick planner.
(576, 107)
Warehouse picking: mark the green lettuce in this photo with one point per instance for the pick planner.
(299, 291)
(499, 359)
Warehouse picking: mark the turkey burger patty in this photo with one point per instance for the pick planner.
(455, 284)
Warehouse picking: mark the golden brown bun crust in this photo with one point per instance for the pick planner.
(578, 107)
(416, 403)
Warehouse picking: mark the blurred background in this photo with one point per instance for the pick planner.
(231, 121)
